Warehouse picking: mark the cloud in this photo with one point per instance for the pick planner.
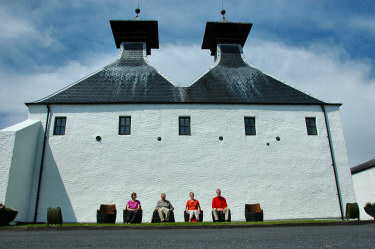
(181, 63)
(364, 24)
(20, 88)
(15, 28)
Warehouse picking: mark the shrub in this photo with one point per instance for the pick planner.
(4, 208)
(369, 204)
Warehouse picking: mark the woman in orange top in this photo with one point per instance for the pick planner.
(193, 207)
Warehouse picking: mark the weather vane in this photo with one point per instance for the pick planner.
(223, 12)
(137, 11)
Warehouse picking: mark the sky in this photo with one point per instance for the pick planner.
(323, 48)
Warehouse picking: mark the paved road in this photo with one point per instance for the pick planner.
(353, 236)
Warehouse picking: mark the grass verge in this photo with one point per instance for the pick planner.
(187, 223)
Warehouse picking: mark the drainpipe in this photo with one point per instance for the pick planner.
(333, 162)
(42, 163)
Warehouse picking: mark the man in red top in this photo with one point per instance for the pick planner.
(219, 204)
(193, 208)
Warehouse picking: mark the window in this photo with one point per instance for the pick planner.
(250, 126)
(184, 125)
(311, 126)
(124, 125)
(60, 123)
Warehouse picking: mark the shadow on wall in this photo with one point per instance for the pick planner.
(53, 193)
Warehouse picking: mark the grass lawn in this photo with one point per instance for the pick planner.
(187, 223)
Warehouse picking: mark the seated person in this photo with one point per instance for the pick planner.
(219, 204)
(164, 208)
(133, 206)
(193, 207)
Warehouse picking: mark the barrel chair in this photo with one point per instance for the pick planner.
(253, 212)
(222, 216)
(106, 214)
(186, 216)
(156, 219)
(138, 218)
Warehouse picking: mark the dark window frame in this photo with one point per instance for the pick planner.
(311, 128)
(124, 126)
(59, 126)
(184, 129)
(250, 127)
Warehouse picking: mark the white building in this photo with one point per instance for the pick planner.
(127, 128)
(364, 185)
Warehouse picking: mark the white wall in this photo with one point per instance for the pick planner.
(18, 152)
(290, 178)
(364, 185)
(6, 153)
(340, 153)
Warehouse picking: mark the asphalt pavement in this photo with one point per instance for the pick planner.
(340, 236)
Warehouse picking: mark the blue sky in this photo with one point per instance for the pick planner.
(324, 48)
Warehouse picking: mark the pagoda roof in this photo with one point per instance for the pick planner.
(131, 79)
(233, 81)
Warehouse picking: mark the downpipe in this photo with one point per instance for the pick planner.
(333, 161)
(42, 163)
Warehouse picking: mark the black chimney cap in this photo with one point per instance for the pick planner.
(225, 32)
(136, 31)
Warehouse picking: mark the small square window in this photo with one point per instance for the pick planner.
(60, 123)
(124, 125)
(311, 126)
(184, 125)
(250, 126)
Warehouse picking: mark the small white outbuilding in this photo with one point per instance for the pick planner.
(364, 185)
(126, 128)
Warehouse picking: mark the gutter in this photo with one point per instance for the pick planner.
(42, 163)
(180, 103)
(333, 161)
(362, 167)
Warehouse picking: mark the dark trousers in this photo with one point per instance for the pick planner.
(131, 216)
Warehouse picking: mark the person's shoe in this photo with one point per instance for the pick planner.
(226, 221)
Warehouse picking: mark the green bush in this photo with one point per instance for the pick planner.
(369, 204)
(4, 208)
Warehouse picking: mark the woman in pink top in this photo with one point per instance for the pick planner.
(133, 206)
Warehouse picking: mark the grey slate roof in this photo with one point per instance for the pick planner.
(232, 80)
(364, 166)
(132, 80)
(128, 80)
